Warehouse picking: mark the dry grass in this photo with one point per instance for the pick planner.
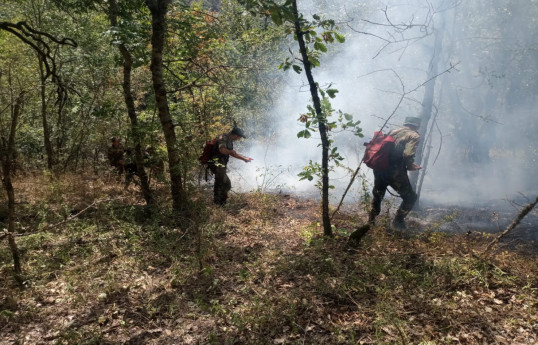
(256, 271)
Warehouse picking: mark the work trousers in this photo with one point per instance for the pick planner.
(222, 184)
(397, 179)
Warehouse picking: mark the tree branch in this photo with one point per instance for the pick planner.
(511, 227)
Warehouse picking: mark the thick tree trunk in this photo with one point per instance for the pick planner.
(327, 230)
(7, 161)
(158, 10)
(131, 111)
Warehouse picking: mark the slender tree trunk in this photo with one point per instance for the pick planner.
(327, 230)
(131, 111)
(135, 130)
(60, 127)
(426, 160)
(46, 129)
(427, 103)
(7, 161)
(158, 10)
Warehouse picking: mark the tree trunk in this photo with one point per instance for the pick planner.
(131, 111)
(427, 103)
(7, 161)
(158, 10)
(61, 136)
(428, 147)
(327, 230)
(46, 129)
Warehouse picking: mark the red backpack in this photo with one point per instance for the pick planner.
(208, 152)
(376, 155)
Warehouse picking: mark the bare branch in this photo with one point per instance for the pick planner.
(510, 227)
(401, 32)
(34, 38)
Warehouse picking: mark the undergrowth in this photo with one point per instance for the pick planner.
(256, 271)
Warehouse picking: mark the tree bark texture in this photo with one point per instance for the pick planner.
(327, 230)
(131, 110)
(7, 161)
(158, 10)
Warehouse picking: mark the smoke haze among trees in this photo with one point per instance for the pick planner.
(483, 143)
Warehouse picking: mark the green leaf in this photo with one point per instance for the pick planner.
(275, 15)
(300, 134)
(307, 134)
(297, 69)
(320, 46)
(287, 14)
(339, 37)
(332, 93)
(316, 17)
(314, 61)
(348, 117)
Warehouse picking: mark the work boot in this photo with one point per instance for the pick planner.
(219, 201)
(371, 218)
(356, 236)
(398, 223)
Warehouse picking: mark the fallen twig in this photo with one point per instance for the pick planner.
(92, 205)
(510, 227)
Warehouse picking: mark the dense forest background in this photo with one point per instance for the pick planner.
(467, 69)
(86, 259)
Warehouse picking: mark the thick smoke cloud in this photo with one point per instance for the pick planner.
(482, 145)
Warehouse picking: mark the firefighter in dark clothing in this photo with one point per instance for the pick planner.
(115, 155)
(401, 160)
(219, 160)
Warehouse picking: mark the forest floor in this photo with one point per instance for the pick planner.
(101, 268)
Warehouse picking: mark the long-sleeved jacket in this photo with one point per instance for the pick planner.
(405, 146)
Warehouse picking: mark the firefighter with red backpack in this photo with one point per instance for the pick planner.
(216, 155)
(401, 159)
(391, 156)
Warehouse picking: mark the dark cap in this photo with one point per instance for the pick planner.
(412, 121)
(239, 132)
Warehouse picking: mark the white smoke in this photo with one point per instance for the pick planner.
(371, 77)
